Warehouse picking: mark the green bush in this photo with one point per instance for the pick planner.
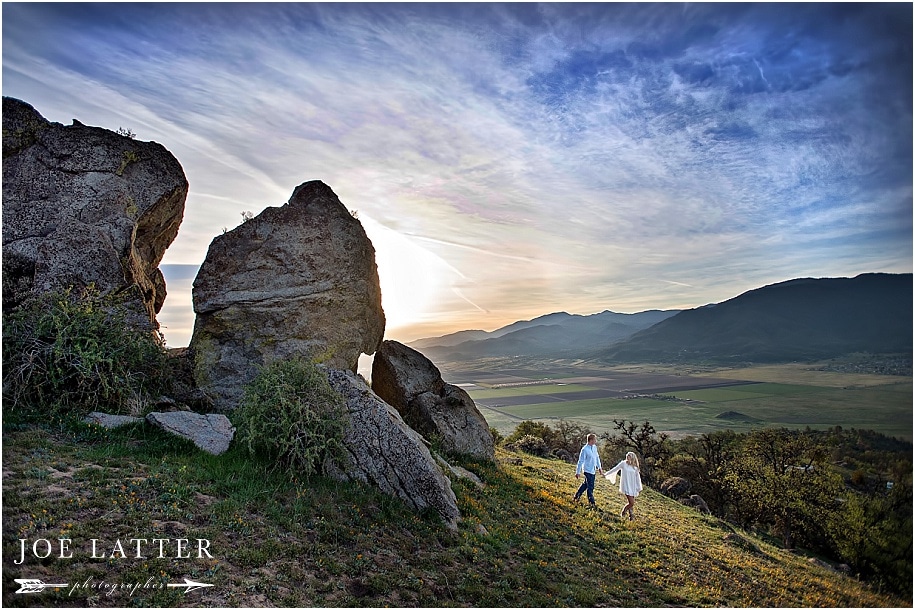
(533, 445)
(530, 427)
(290, 415)
(67, 353)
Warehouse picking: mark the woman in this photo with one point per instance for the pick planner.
(630, 481)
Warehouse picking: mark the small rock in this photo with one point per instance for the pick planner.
(675, 487)
(481, 530)
(698, 503)
(109, 421)
(463, 473)
(460, 472)
(212, 432)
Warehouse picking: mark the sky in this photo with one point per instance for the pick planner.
(512, 160)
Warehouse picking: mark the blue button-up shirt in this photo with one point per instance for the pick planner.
(588, 460)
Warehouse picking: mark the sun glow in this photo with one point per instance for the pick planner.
(414, 281)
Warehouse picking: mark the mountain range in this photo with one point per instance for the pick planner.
(799, 319)
(557, 335)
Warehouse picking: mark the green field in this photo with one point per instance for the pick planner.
(527, 390)
(815, 399)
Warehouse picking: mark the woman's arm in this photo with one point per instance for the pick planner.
(616, 468)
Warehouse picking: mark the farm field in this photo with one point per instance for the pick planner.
(699, 402)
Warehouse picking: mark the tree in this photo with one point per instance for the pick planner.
(781, 478)
(703, 461)
(652, 447)
(569, 436)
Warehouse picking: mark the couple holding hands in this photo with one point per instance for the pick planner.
(628, 469)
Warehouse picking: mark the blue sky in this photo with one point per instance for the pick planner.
(511, 160)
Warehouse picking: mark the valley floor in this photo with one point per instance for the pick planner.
(687, 400)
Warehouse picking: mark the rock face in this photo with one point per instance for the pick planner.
(212, 432)
(408, 381)
(86, 205)
(296, 279)
(383, 451)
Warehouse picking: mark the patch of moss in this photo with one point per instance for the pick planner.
(128, 157)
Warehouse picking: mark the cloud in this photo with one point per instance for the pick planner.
(551, 154)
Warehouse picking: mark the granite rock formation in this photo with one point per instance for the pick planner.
(84, 205)
(383, 451)
(412, 384)
(296, 279)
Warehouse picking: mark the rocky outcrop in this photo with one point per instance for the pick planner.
(212, 432)
(408, 381)
(84, 205)
(296, 279)
(383, 451)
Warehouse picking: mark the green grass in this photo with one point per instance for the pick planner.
(598, 414)
(819, 399)
(278, 540)
(529, 390)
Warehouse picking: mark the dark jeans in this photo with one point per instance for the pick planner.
(588, 484)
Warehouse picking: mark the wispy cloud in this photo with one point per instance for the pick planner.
(563, 156)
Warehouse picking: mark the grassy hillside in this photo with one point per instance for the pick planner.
(280, 541)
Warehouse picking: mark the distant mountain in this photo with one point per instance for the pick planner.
(453, 339)
(795, 320)
(559, 335)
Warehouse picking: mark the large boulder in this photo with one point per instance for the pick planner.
(382, 450)
(84, 205)
(299, 279)
(412, 384)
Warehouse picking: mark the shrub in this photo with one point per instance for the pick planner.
(530, 427)
(67, 353)
(290, 415)
(532, 444)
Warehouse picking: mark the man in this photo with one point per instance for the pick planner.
(588, 463)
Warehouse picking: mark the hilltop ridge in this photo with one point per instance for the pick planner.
(558, 334)
(798, 319)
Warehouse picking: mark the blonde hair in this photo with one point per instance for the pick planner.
(632, 459)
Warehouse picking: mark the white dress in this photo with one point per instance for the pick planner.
(630, 480)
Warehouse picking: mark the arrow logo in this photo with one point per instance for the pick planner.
(190, 584)
(35, 585)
